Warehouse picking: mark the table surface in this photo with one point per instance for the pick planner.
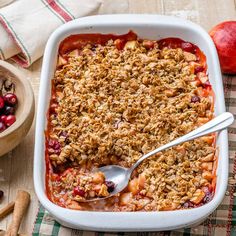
(16, 168)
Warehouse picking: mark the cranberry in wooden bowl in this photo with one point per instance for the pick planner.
(8, 104)
(16, 107)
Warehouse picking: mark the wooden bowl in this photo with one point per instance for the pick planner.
(13, 135)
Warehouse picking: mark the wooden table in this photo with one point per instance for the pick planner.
(16, 168)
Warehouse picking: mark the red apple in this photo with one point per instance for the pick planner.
(224, 37)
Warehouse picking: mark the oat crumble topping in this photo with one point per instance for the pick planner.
(112, 106)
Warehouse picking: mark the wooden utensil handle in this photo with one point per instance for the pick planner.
(21, 204)
(6, 210)
(3, 233)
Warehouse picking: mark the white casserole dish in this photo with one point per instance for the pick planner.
(149, 27)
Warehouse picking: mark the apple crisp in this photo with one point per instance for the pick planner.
(113, 102)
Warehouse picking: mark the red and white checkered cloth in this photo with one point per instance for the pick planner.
(25, 25)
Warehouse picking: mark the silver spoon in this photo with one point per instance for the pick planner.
(120, 176)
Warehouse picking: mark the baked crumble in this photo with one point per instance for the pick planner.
(111, 104)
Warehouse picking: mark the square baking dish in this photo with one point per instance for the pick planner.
(148, 27)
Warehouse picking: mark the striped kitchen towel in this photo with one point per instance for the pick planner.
(25, 25)
(221, 222)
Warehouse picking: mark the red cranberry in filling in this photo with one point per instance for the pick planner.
(57, 146)
(51, 143)
(53, 108)
(188, 47)
(208, 194)
(208, 198)
(207, 84)
(195, 99)
(57, 151)
(10, 99)
(1, 103)
(63, 134)
(10, 120)
(205, 189)
(78, 191)
(54, 144)
(110, 186)
(2, 126)
(198, 69)
(188, 204)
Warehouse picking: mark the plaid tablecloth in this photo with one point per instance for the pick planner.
(221, 222)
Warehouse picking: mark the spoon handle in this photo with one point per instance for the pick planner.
(218, 123)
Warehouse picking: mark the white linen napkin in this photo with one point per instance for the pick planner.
(26, 25)
(5, 2)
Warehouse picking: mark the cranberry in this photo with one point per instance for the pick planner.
(9, 110)
(53, 144)
(205, 189)
(208, 194)
(2, 126)
(188, 204)
(2, 103)
(110, 186)
(57, 151)
(78, 191)
(10, 99)
(1, 194)
(63, 134)
(198, 69)
(208, 197)
(57, 145)
(207, 85)
(3, 118)
(209, 188)
(10, 120)
(53, 108)
(188, 47)
(195, 99)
